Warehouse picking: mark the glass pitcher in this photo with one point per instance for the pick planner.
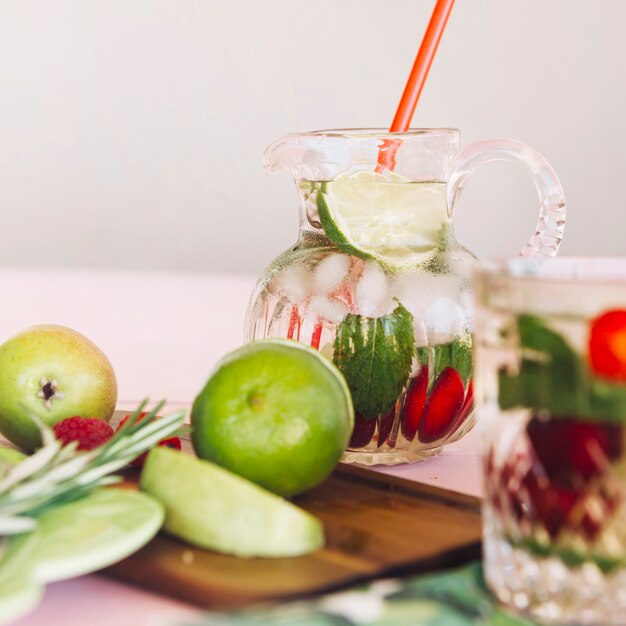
(377, 282)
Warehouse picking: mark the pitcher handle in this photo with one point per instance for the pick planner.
(546, 240)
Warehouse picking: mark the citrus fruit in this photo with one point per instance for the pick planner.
(387, 218)
(53, 372)
(276, 412)
(211, 507)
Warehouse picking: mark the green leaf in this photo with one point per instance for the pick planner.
(374, 355)
(456, 354)
(554, 378)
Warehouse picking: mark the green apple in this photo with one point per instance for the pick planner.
(53, 372)
(211, 507)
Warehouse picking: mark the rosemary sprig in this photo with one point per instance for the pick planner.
(57, 474)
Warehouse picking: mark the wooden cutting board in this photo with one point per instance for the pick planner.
(376, 525)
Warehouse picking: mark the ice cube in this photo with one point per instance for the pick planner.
(421, 334)
(329, 272)
(372, 291)
(418, 290)
(295, 282)
(444, 320)
(466, 301)
(329, 309)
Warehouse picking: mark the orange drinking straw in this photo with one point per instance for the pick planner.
(417, 78)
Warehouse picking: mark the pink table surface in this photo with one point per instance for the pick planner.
(163, 332)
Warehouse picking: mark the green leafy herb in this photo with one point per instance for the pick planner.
(554, 378)
(572, 557)
(456, 354)
(374, 355)
(57, 474)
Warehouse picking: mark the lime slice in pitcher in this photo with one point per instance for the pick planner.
(390, 219)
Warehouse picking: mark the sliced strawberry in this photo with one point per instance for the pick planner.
(316, 336)
(466, 409)
(295, 321)
(569, 449)
(363, 431)
(385, 424)
(414, 403)
(442, 407)
(551, 504)
(607, 345)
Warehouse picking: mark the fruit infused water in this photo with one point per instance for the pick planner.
(378, 283)
(551, 389)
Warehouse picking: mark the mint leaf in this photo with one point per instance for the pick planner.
(374, 354)
(554, 378)
(456, 354)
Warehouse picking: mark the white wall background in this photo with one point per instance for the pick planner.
(131, 131)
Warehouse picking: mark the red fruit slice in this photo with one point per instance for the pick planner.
(293, 332)
(570, 450)
(414, 403)
(607, 345)
(170, 442)
(385, 424)
(442, 407)
(552, 505)
(466, 409)
(316, 336)
(363, 431)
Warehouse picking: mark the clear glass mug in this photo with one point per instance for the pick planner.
(377, 281)
(550, 354)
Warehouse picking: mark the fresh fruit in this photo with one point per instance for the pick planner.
(466, 409)
(211, 507)
(8, 458)
(562, 482)
(89, 432)
(53, 372)
(372, 216)
(442, 406)
(414, 403)
(170, 442)
(54, 475)
(570, 449)
(11, 456)
(385, 424)
(276, 412)
(363, 431)
(607, 345)
(551, 504)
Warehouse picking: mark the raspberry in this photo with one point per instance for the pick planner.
(90, 432)
(170, 442)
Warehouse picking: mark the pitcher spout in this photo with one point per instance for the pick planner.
(282, 155)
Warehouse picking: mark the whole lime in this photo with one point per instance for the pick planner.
(276, 412)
